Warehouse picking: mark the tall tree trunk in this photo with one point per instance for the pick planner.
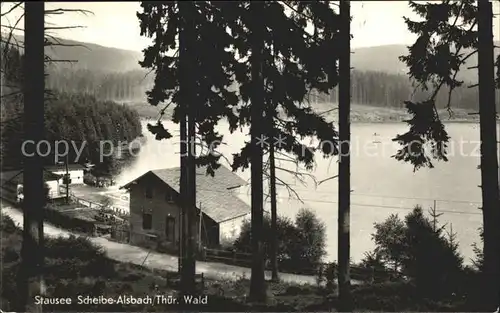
(183, 151)
(345, 302)
(272, 108)
(257, 281)
(30, 275)
(189, 221)
(489, 159)
(66, 179)
(192, 230)
(274, 211)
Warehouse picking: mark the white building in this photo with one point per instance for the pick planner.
(75, 171)
(13, 188)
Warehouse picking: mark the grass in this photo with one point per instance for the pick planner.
(75, 266)
(74, 210)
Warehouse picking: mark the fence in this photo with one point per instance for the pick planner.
(228, 257)
(371, 274)
(94, 205)
(174, 279)
(120, 233)
(358, 273)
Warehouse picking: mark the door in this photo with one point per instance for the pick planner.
(170, 229)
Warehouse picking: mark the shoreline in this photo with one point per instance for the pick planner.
(361, 121)
(404, 122)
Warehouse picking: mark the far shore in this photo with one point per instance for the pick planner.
(457, 121)
(360, 114)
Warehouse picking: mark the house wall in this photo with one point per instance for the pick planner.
(53, 186)
(75, 175)
(230, 230)
(158, 206)
(209, 232)
(9, 191)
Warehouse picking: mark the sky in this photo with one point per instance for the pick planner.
(115, 24)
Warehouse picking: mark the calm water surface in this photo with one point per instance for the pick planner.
(381, 185)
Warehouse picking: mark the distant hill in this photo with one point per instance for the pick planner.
(99, 58)
(386, 59)
(93, 57)
(114, 74)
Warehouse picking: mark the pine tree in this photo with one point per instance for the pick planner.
(195, 81)
(435, 59)
(344, 186)
(489, 156)
(279, 63)
(30, 274)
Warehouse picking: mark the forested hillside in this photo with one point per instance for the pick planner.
(94, 57)
(119, 86)
(68, 116)
(368, 88)
(379, 79)
(391, 90)
(74, 118)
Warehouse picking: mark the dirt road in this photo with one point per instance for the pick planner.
(127, 253)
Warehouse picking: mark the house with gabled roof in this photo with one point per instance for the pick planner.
(155, 207)
(12, 185)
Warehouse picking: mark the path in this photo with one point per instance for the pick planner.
(118, 198)
(127, 253)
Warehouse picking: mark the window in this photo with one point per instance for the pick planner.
(147, 221)
(149, 191)
(170, 229)
(169, 197)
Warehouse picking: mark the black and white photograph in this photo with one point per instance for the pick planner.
(250, 156)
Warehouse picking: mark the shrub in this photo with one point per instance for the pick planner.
(331, 275)
(388, 296)
(80, 248)
(478, 251)
(320, 275)
(301, 245)
(7, 225)
(389, 238)
(64, 288)
(422, 253)
(373, 260)
(9, 281)
(10, 255)
(66, 254)
(310, 249)
(431, 260)
(375, 263)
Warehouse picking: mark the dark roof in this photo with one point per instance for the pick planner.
(62, 167)
(47, 176)
(213, 193)
(7, 176)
